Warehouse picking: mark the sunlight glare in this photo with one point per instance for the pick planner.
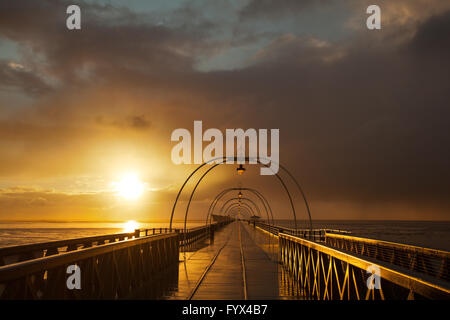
(129, 187)
(130, 226)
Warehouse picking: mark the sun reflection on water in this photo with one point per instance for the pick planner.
(130, 226)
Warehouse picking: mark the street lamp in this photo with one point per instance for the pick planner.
(240, 170)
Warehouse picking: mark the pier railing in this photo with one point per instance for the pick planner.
(117, 266)
(327, 273)
(435, 263)
(14, 254)
(117, 270)
(193, 235)
(9, 255)
(310, 234)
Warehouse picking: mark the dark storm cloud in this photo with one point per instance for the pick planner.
(15, 76)
(432, 37)
(257, 9)
(368, 120)
(363, 120)
(111, 39)
(137, 122)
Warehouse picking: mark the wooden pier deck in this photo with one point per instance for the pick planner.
(242, 263)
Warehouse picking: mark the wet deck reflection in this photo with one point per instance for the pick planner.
(265, 278)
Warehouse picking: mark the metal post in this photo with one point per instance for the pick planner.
(211, 235)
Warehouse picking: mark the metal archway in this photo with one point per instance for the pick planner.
(233, 214)
(247, 209)
(243, 205)
(242, 214)
(261, 197)
(237, 205)
(234, 204)
(221, 160)
(190, 198)
(242, 199)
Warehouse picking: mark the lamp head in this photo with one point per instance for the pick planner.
(240, 170)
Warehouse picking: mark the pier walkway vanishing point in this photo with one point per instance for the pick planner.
(242, 263)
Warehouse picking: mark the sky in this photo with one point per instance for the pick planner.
(363, 114)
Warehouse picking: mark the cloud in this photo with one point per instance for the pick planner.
(15, 76)
(430, 39)
(363, 120)
(296, 50)
(15, 66)
(103, 44)
(263, 9)
(137, 122)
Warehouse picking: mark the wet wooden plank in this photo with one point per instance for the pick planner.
(264, 276)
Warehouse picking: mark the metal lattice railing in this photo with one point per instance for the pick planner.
(431, 262)
(310, 234)
(326, 273)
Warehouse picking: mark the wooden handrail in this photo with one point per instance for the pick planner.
(20, 269)
(61, 243)
(14, 254)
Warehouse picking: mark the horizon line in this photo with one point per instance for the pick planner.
(202, 220)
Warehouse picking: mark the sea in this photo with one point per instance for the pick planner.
(20, 233)
(428, 234)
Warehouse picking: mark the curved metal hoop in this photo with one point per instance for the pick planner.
(235, 213)
(243, 205)
(221, 161)
(192, 195)
(247, 209)
(259, 195)
(242, 199)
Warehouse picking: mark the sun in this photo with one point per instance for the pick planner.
(130, 226)
(130, 187)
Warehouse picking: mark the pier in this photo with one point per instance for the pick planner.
(244, 260)
(240, 253)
